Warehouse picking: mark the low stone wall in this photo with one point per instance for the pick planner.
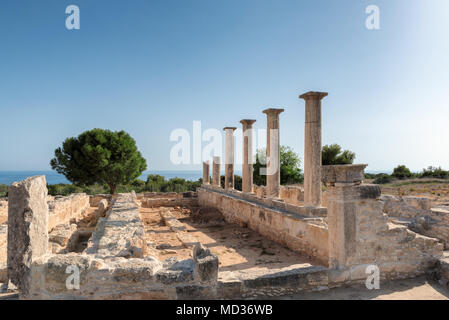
(298, 232)
(417, 214)
(121, 233)
(62, 210)
(292, 194)
(95, 200)
(169, 202)
(362, 236)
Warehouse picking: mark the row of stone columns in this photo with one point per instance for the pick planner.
(312, 153)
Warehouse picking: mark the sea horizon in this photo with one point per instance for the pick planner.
(52, 177)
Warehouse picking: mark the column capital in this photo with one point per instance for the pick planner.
(274, 111)
(247, 122)
(313, 95)
(229, 128)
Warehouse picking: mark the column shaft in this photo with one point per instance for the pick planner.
(273, 153)
(312, 149)
(229, 158)
(247, 166)
(206, 176)
(216, 172)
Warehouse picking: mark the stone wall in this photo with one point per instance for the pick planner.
(416, 213)
(361, 234)
(62, 210)
(290, 194)
(300, 233)
(114, 267)
(121, 233)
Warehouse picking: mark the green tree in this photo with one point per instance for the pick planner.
(332, 155)
(401, 172)
(290, 167)
(99, 157)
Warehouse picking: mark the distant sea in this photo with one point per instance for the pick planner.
(8, 177)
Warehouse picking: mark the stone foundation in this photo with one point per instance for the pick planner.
(62, 210)
(416, 213)
(302, 233)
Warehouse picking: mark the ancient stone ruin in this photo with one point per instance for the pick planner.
(203, 245)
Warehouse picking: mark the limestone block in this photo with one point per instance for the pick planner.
(206, 264)
(27, 228)
(343, 173)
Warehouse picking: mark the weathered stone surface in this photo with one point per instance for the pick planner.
(312, 148)
(171, 221)
(61, 234)
(415, 212)
(360, 234)
(121, 233)
(247, 165)
(229, 157)
(206, 264)
(349, 173)
(186, 239)
(273, 153)
(27, 228)
(63, 210)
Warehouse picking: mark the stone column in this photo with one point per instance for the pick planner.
(345, 193)
(27, 229)
(312, 149)
(273, 153)
(229, 158)
(206, 176)
(216, 172)
(247, 166)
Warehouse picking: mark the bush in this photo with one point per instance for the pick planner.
(3, 190)
(401, 172)
(383, 179)
(157, 183)
(290, 167)
(237, 182)
(433, 172)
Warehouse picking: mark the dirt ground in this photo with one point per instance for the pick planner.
(412, 289)
(237, 248)
(436, 190)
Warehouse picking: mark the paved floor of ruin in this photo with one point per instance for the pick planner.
(411, 289)
(239, 249)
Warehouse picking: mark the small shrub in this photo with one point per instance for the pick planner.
(383, 179)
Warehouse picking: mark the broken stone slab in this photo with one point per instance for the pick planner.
(171, 221)
(27, 228)
(186, 239)
(62, 233)
(206, 264)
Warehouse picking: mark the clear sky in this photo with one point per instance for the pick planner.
(149, 67)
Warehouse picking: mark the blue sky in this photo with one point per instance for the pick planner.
(149, 67)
